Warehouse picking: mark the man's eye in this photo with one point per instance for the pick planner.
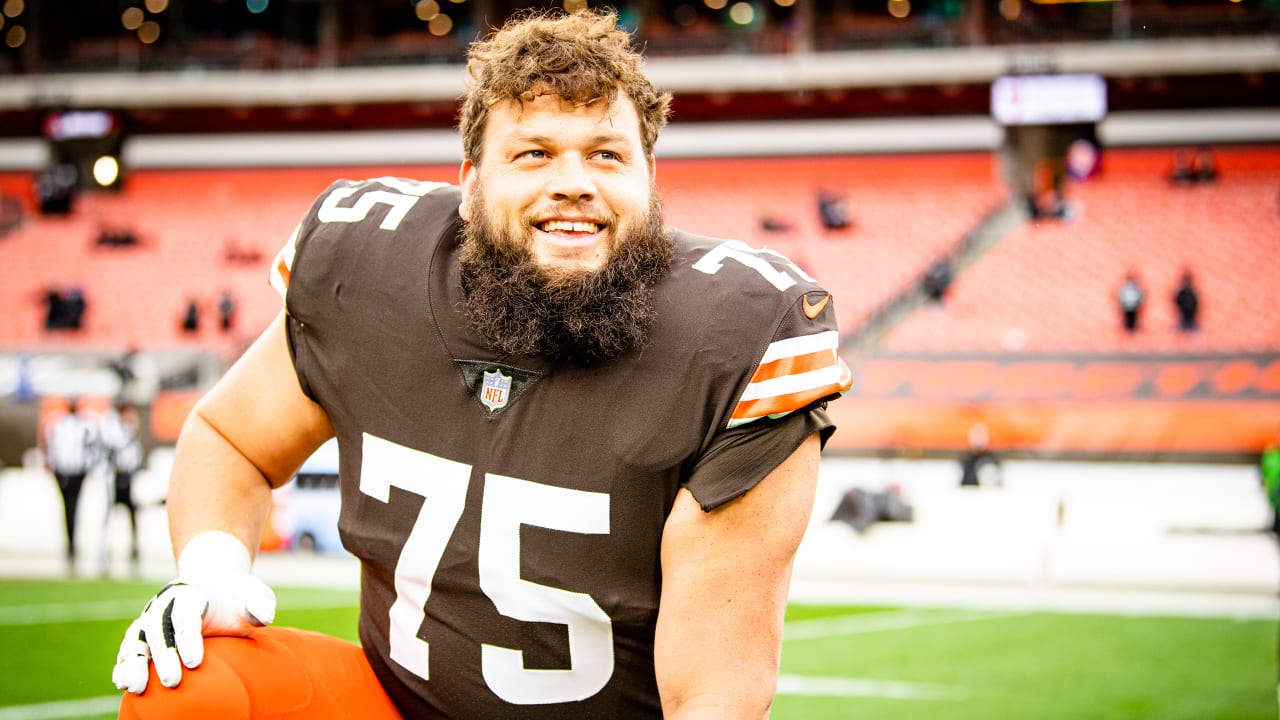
(534, 154)
(608, 155)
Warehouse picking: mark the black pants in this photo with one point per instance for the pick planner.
(124, 496)
(70, 486)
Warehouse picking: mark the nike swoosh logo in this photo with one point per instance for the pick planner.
(812, 311)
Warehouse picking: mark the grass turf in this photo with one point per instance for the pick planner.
(58, 642)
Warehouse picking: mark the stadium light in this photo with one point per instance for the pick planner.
(440, 25)
(742, 13)
(425, 10)
(131, 18)
(149, 32)
(89, 141)
(16, 36)
(106, 171)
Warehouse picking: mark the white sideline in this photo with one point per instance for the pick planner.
(50, 613)
(787, 684)
(101, 705)
(861, 623)
(861, 687)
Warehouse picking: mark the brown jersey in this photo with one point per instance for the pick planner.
(508, 512)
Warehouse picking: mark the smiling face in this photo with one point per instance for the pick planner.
(566, 182)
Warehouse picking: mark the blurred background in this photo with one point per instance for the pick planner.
(974, 180)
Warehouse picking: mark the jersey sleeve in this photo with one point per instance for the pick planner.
(281, 270)
(781, 402)
(378, 203)
(800, 366)
(349, 230)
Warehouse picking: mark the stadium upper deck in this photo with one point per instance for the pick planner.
(304, 65)
(294, 86)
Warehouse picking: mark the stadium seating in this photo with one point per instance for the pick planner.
(186, 221)
(1050, 287)
(906, 210)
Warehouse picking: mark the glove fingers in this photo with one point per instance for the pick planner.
(259, 602)
(170, 632)
(187, 620)
(160, 626)
(238, 606)
(130, 672)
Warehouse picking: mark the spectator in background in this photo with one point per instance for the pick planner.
(56, 188)
(1194, 167)
(772, 224)
(1187, 300)
(1130, 298)
(1204, 166)
(937, 279)
(55, 308)
(75, 304)
(116, 237)
(64, 307)
(1183, 172)
(191, 317)
(236, 254)
(122, 440)
(11, 213)
(226, 311)
(833, 209)
(980, 466)
(72, 448)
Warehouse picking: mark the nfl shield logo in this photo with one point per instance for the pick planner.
(496, 390)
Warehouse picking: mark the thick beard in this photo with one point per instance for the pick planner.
(520, 308)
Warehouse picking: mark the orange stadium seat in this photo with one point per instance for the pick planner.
(1023, 319)
(185, 221)
(1051, 286)
(907, 209)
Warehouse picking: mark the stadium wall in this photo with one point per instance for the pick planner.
(721, 139)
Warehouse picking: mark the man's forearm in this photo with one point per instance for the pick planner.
(213, 487)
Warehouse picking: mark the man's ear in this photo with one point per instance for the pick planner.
(467, 181)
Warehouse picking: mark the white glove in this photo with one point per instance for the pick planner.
(213, 595)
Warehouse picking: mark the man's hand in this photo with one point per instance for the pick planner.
(214, 595)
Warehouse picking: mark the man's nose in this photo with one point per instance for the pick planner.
(571, 180)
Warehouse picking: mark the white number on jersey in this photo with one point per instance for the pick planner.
(406, 193)
(754, 258)
(508, 503)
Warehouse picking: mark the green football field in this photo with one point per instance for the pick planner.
(58, 642)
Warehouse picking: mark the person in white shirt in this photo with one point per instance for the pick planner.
(121, 439)
(72, 448)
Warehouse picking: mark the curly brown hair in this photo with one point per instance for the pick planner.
(583, 57)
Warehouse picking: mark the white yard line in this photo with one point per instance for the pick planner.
(860, 623)
(106, 704)
(46, 613)
(861, 687)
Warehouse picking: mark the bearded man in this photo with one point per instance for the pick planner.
(578, 450)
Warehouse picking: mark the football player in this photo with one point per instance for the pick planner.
(578, 449)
